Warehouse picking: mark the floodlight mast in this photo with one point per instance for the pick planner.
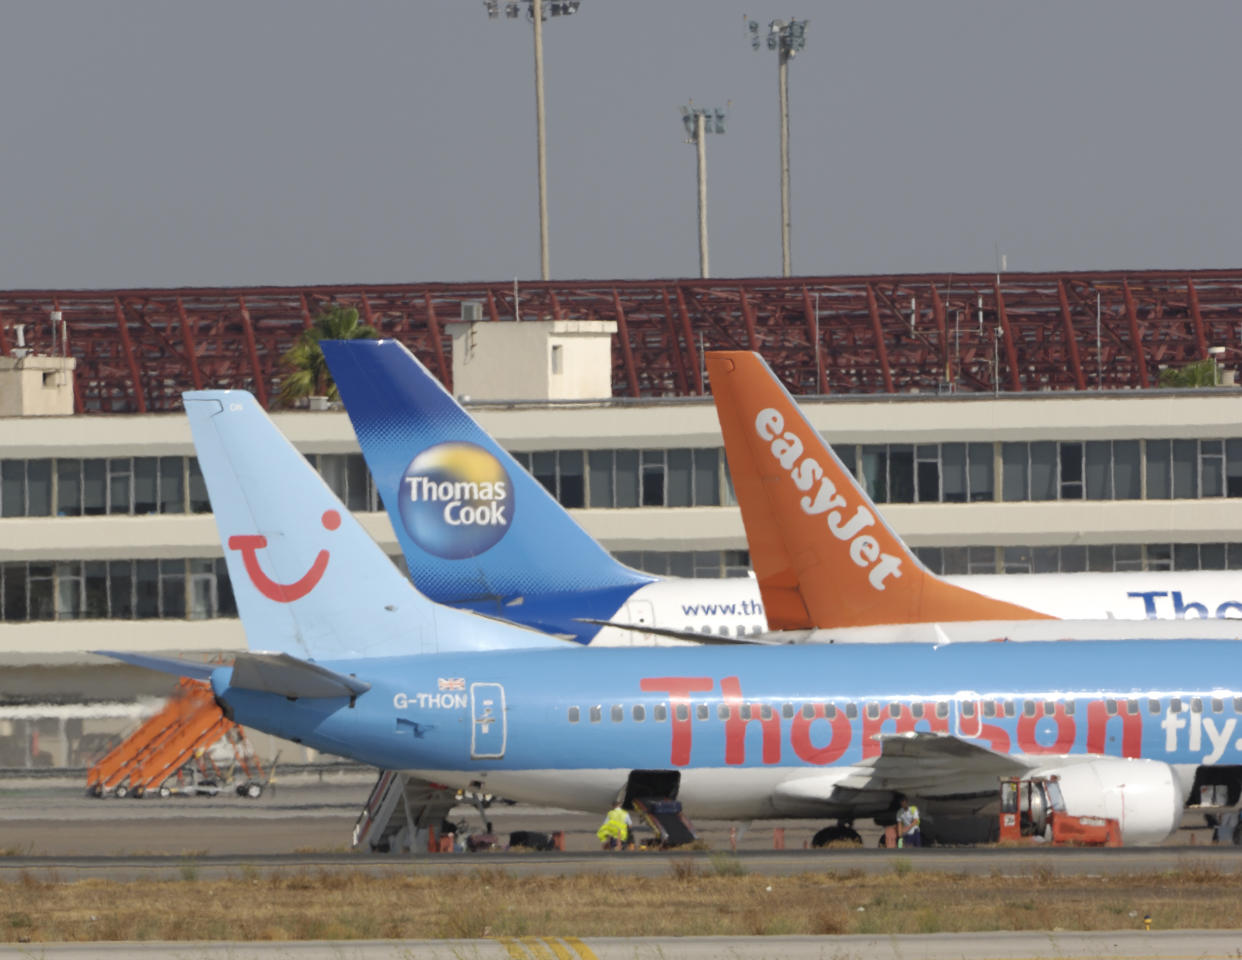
(541, 140)
(536, 12)
(699, 123)
(786, 39)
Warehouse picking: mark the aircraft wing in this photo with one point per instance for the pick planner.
(930, 764)
(924, 764)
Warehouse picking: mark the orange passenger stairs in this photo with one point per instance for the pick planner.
(189, 722)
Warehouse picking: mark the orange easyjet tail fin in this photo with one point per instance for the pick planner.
(822, 553)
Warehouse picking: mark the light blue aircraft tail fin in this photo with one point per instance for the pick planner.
(308, 579)
(474, 525)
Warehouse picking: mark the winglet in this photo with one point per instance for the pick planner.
(822, 553)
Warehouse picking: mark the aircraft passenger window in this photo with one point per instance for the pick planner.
(1132, 707)
(829, 710)
(765, 711)
(787, 711)
(1049, 708)
(1069, 708)
(968, 708)
(573, 715)
(1175, 705)
(703, 712)
(596, 714)
(1011, 709)
(722, 711)
(740, 629)
(1196, 704)
(682, 712)
(746, 711)
(639, 713)
(1111, 707)
(1217, 705)
(989, 708)
(617, 713)
(1237, 704)
(942, 710)
(1153, 705)
(660, 713)
(894, 710)
(851, 710)
(873, 711)
(1028, 708)
(917, 710)
(808, 710)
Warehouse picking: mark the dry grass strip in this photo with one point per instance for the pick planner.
(690, 900)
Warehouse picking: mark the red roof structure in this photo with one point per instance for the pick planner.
(1012, 332)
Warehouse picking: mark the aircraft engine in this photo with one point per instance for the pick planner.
(1143, 796)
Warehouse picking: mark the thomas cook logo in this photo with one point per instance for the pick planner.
(456, 500)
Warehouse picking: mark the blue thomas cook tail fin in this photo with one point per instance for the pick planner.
(308, 579)
(476, 528)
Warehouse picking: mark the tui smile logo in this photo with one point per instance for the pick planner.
(456, 500)
(248, 545)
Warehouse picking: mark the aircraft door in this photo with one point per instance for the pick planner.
(640, 613)
(968, 719)
(489, 725)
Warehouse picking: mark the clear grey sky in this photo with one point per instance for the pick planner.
(151, 142)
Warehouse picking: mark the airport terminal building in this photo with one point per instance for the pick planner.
(107, 539)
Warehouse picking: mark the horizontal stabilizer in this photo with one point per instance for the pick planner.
(195, 670)
(277, 673)
(288, 676)
(691, 636)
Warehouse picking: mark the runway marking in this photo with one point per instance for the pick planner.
(585, 952)
(515, 951)
(560, 951)
(537, 949)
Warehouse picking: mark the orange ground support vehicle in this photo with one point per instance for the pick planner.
(1033, 807)
(180, 733)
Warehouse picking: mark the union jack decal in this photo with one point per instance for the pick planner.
(451, 683)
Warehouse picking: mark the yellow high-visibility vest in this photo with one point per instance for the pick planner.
(614, 826)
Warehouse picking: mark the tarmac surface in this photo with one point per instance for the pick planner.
(51, 827)
(1170, 945)
(307, 824)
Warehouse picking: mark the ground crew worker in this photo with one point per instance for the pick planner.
(908, 832)
(614, 833)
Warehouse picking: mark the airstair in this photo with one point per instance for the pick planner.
(402, 815)
(179, 734)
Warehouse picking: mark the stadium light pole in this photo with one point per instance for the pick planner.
(786, 39)
(536, 12)
(699, 122)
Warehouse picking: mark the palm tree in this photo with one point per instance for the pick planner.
(1199, 373)
(308, 372)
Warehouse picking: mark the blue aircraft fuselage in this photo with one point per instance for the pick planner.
(540, 721)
